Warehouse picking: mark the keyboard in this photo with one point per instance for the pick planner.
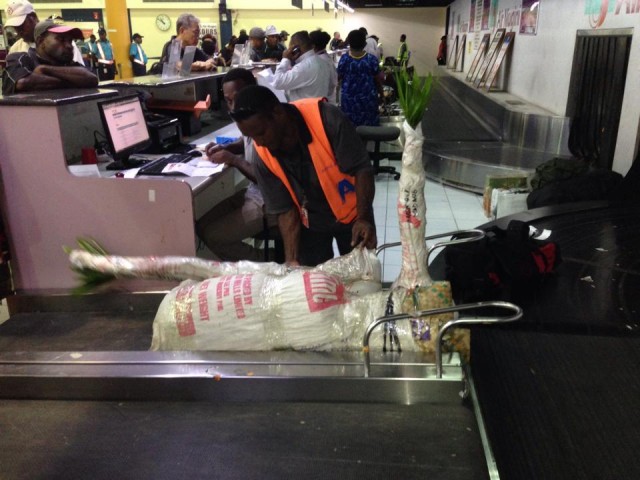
(155, 167)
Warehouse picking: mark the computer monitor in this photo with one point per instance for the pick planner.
(125, 127)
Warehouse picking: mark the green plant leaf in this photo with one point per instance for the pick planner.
(89, 279)
(414, 94)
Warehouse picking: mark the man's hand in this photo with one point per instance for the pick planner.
(212, 148)
(225, 157)
(291, 53)
(363, 234)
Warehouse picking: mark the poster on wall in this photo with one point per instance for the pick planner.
(478, 58)
(529, 17)
(472, 16)
(495, 68)
(489, 58)
(460, 55)
(486, 9)
(209, 28)
(451, 62)
(493, 14)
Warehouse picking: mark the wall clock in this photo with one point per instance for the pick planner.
(163, 22)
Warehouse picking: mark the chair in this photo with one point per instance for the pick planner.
(379, 135)
(266, 236)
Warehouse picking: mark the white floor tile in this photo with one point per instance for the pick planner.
(448, 209)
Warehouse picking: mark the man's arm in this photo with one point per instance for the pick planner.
(287, 78)
(289, 224)
(363, 233)
(68, 76)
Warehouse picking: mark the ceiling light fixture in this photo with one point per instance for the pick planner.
(345, 6)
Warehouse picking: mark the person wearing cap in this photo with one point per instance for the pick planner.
(22, 18)
(301, 73)
(314, 173)
(48, 66)
(77, 54)
(258, 44)
(273, 48)
(188, 34)
(103, 53)
(137, 56)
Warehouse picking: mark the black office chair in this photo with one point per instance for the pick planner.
(379, 135)
(268, 235)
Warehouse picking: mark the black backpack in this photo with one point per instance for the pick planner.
(501, 263)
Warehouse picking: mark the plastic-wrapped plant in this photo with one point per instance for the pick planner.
(414, 95)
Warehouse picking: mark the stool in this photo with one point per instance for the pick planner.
(378, 135)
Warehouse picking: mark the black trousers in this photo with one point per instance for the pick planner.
(139, 70)
(317, 247)
(106, 72)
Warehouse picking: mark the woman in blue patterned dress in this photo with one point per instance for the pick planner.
(361, 85)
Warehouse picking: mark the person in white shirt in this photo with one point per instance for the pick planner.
(372, 44)
(320, 40)
(301, 73)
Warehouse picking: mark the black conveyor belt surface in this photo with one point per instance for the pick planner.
(154, 440)
(559, 406)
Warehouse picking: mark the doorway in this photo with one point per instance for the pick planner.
(596, 92)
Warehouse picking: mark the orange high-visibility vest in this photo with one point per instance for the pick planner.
(338, 188)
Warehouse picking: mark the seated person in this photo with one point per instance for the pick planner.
(273, 48)
(258, 45)
(49, 65)
(188, 34)
(209, 46)
(241, 216)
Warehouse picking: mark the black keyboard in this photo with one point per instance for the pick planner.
(155, 167)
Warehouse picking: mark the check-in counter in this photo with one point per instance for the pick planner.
(45, 207)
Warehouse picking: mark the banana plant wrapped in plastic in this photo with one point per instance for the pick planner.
(420, 291)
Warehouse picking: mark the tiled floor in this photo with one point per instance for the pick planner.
(448, 209)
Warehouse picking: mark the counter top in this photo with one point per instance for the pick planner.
(158, 81)
(55, 98)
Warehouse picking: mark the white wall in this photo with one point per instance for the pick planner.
(541, 64)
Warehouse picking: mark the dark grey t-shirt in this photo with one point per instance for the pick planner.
(351, 157)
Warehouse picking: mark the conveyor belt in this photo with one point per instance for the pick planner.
(559, 406)
(156, 441)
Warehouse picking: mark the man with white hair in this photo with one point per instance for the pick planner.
(188, 34)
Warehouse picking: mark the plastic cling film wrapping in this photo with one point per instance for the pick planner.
(302, 311)
(253, 312)
(223, 313)
(167, 268)
(425, 330)
(412, 212)
(360, 264)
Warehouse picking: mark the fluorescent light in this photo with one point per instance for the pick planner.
(345, 6)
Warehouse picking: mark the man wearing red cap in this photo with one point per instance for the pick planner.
(48, 66)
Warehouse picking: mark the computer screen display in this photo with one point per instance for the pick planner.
(125, 126)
